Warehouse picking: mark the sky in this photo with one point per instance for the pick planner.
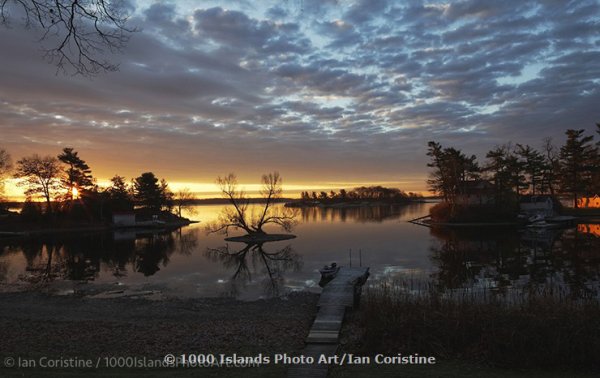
(329, 93)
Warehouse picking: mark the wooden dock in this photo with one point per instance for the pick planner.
(342, 293)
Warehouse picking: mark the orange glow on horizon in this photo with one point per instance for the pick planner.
(203, 190)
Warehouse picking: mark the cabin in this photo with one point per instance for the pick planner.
(589, 202)
(476, 193)
(543, 204)
(124, 219)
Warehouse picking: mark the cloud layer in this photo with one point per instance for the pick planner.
(323, 91)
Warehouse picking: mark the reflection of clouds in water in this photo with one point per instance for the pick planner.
(393, 249)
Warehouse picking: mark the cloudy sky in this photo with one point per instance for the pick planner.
(329, 93)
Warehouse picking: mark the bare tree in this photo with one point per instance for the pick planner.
(183, 200)
(5, 168)
(40, 174)
(240, 217)
(79, 32)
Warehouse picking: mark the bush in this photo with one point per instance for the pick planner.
(32, 212)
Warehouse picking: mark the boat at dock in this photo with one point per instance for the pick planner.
(329, 271)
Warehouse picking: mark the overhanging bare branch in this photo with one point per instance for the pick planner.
(75, 34)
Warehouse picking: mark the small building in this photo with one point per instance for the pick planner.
(124, 219)
(476, 192)
(543, 204)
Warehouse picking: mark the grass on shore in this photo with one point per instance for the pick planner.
(529, 329)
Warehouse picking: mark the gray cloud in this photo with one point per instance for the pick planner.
(341, 91)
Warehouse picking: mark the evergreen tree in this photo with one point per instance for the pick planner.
(577, 159)
(505, 172)
(150, 193)
(534, 165)
(77, 176)
(119, 194)
(452, 169)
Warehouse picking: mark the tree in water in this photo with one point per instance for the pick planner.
(239, 216)
(40, 175)
(77, 177)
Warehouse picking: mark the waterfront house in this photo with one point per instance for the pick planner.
(124, 219)
(476, 192)
(545, 205)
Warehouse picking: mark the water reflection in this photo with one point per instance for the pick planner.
(508, 258)
(253, 260)
(360, 214)
(81, 257)
(179, 263)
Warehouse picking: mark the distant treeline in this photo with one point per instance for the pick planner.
(360, 194)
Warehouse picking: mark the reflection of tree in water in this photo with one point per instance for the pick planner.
(151, 251)
(253, 258)
(506, 258)
(361, 214)
(80, 257)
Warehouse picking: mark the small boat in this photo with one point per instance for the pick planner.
(536, 218)
(543, 225)
(329, 271)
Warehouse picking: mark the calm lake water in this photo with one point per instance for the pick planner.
(188, 262)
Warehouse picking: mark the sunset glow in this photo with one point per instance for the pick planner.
(330, 94)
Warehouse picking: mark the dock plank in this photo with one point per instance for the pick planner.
(323, 338)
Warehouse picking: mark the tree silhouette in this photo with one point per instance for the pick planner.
(77, 175)
(5, 168)
(79, 31)
(505, 171)
(148, 192)
(534, 165)
(577, 157)
(183, 199)
(239, 217)
(40, 175)
(451, 170)
(118, 193)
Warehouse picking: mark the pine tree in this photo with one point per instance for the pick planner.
(77, 176)
(577, 158)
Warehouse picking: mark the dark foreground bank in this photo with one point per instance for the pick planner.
(520, 333)
(36, 325)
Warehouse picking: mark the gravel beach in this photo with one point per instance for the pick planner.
(34, 325)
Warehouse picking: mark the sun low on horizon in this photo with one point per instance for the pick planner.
(331, 94)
